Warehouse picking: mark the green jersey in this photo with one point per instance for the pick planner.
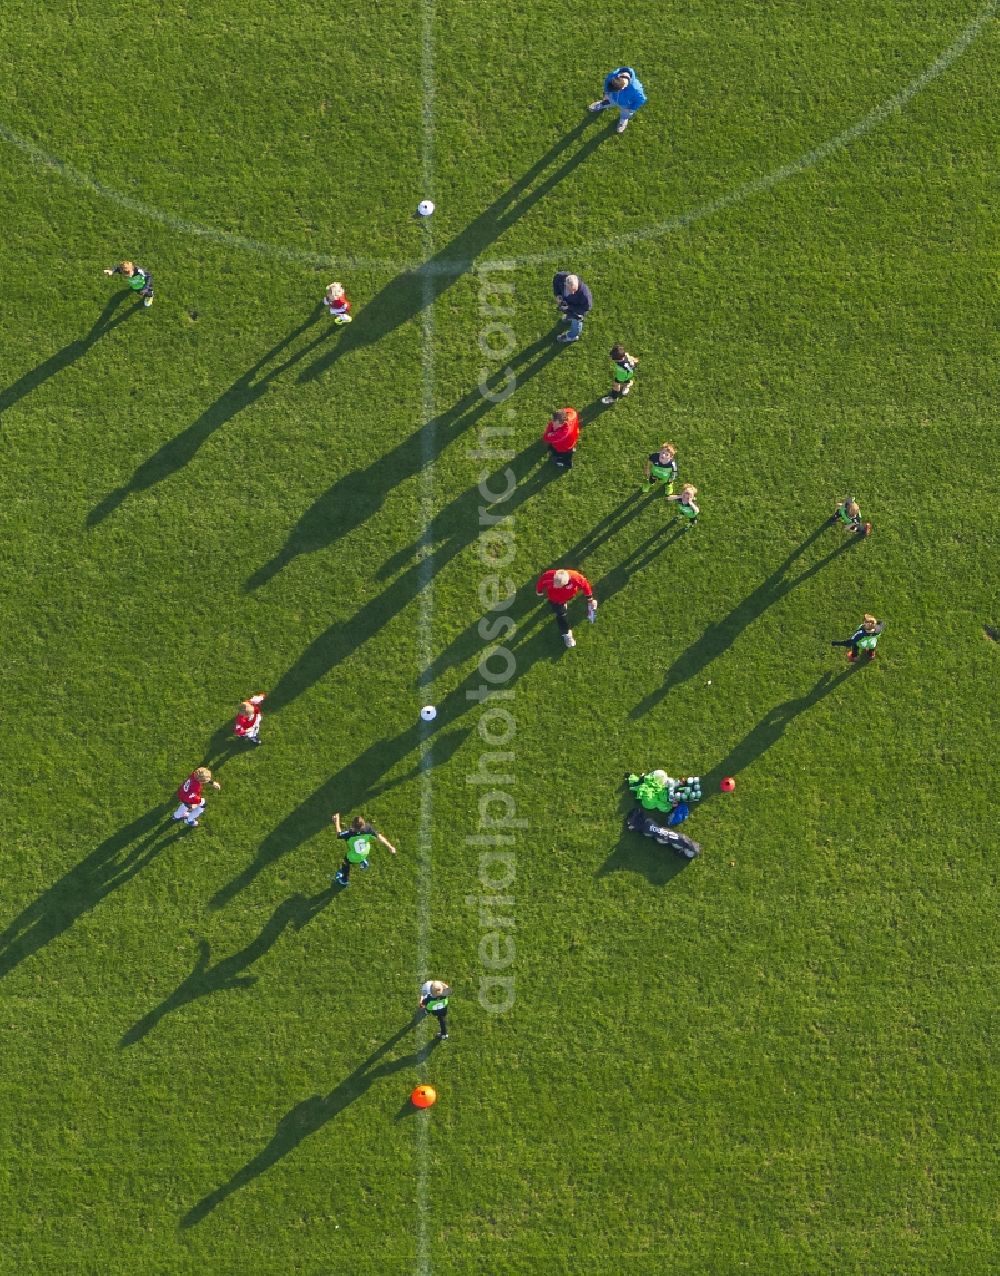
(625, 370)
(666, 471)
(359, 843)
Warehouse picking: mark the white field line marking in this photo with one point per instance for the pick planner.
(891, 106)
(425, 616)
(680, 221)
(80, 179)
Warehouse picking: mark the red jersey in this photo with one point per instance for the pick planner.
(564, 437)
(563, 593)
(341, 306)
(190, 791)
(247, 721)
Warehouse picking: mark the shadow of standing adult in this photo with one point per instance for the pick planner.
(450, 533)
(182, 448)
(359, 495)
(404, 297)
(103, 324)
(309, 1116)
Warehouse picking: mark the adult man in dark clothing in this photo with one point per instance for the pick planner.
(575, 300)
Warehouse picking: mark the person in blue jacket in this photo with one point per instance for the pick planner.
(621, 89)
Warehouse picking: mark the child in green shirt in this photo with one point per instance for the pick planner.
(686, 505)
(623, 371)
(360, 838)
(661, 467)
(848, 515)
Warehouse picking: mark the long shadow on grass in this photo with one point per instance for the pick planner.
(104, 323)
(357, 496)
(228, 974)
(368, 775)
(769, 730)
(309, 1116)
(403, 298)
(357, 783)
(526, 611)
(179, 451)
(719, 637)
(116, 861)
(452, 531)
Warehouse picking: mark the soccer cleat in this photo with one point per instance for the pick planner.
(621, 126)
(342, 319)
(565, 336)
(599, 106)
(568, 639)
(148, 302)
(610, 398)
(340, 879)
(364, 864)
(192, 824)
(442, 1036)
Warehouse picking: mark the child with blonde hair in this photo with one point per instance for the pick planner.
(865, 638)
(686, 505)
(247, 724)
(336, 303)
(434, 994)
(848, 515)
(192, 796)
(139, 280)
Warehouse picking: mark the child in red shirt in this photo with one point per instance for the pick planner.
(192, 796)
(560, 586)
(336, 303)
(562, 435)
(247, 724)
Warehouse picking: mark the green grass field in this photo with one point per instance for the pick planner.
(777, 1059)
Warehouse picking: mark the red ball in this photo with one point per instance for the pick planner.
(728, 784)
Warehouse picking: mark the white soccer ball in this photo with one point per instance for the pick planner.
(425, 207)
(428, 713)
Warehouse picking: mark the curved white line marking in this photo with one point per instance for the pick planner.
(810, 159)
(679, 221)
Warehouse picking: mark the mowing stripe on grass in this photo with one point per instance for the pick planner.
(425, 616)
(680, 221)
